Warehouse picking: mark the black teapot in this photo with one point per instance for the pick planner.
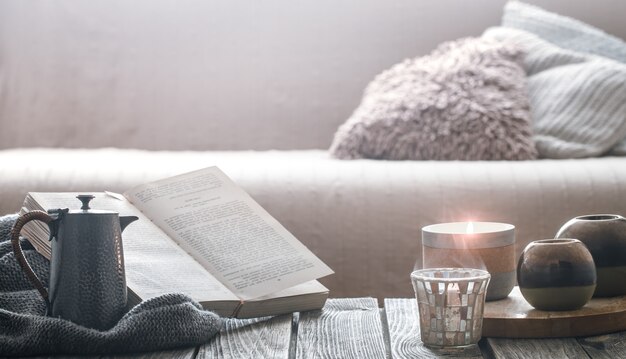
(87, 279)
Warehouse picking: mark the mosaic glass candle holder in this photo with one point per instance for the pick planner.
(451, 303)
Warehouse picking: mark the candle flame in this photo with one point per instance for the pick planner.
(470, 228)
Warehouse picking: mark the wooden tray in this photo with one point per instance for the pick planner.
(513, 317)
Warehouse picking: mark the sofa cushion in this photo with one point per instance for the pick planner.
(567, 33)
(465, 101)
(578, 100)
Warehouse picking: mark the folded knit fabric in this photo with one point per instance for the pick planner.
(168, 321)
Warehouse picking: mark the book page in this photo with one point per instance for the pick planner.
(230, 234)
(154, 264)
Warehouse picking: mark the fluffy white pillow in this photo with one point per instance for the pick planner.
(467, 100)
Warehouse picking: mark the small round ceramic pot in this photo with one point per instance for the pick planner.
(556, 274)
(605, 237)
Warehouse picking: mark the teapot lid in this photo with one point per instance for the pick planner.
(85, 209)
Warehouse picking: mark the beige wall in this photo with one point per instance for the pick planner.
(164, 74)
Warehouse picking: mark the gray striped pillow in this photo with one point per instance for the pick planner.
(563, 31)
(567, 33)
(578, 100)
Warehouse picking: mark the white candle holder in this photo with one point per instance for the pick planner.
(483, 245)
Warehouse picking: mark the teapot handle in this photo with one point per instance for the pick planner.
(17, 249)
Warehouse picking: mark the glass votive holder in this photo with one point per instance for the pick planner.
(451, 303)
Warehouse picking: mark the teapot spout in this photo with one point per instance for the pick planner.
(126, 220)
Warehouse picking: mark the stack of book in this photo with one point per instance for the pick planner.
(201, 234)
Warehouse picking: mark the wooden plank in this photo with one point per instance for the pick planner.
(251, 338)
(183, 353)
(404, 334)
(344, 328)
(513, 317)
(609, 346)
(535, 348)
(383, 320)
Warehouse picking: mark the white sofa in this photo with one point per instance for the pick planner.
(105, 95)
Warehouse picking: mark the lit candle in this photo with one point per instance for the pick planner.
(481, 245)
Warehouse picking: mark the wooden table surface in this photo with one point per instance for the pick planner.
(358, 328)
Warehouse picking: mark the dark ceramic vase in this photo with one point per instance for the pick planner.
(605, 237)
(556, 274)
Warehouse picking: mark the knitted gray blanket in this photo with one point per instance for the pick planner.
(168, 321)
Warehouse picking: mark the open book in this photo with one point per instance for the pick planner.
(200, 234)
